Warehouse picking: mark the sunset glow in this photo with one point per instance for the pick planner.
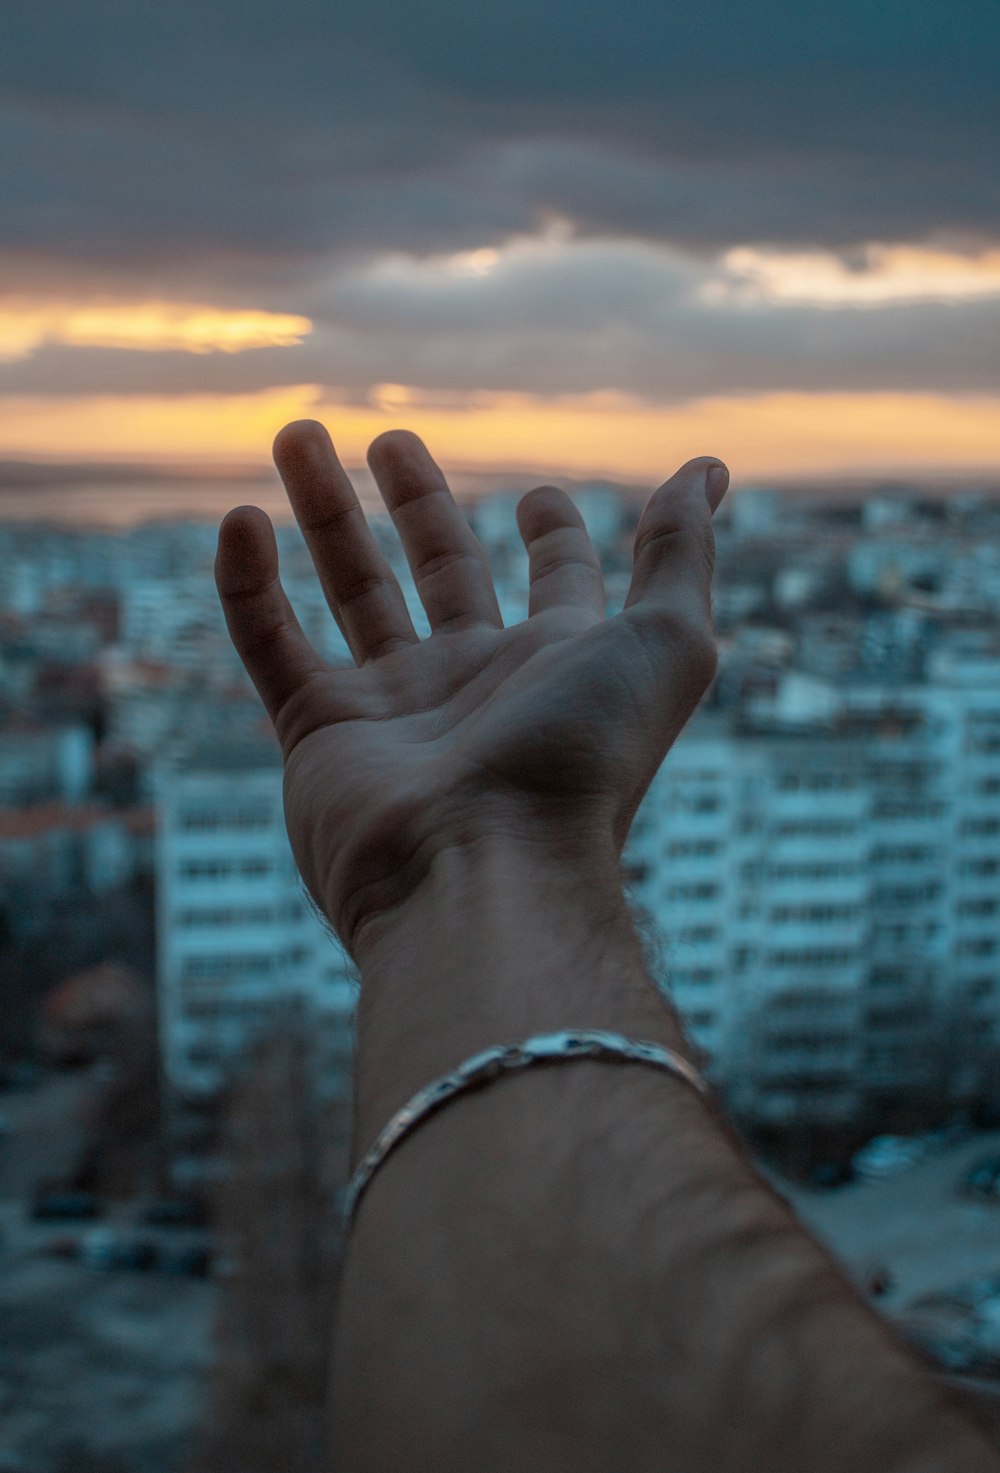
(593, 434)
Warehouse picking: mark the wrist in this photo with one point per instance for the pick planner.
(502, 940)
(420, 848)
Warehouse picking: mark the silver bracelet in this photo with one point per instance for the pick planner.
(481, 1068)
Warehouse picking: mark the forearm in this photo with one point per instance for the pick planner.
(576, 1267)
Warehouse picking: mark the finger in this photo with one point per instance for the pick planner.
(450, 569)
(674, 549)
(670, 596)
(262, 625)
(564, 571)
(360, 587)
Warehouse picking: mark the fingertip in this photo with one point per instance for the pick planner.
(716, 483)
(247, 555)
(704, 475)
(244, 523)
(393, 445)
(295, 440)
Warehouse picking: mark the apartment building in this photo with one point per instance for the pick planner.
(239, 944)
(828, 888)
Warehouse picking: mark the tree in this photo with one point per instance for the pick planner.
(280, 1232)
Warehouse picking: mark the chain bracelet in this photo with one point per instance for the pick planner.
(478, 1070)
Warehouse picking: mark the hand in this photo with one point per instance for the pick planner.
(548, 733)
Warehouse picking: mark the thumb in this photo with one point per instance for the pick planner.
(674, 549)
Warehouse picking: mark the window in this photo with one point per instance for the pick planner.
(897, 1017)
(981, 826)
(205, 869)
(888, 976)
(905, 894)
(818, 957)
(219, 967)
(809, 1042)
(816, 913)
(814, 828)
(207, 820)
(201, 1058)
(977, 946)
(811, 871)
(693, 891)
(984, 907)
(903, 854)
(220, 869)
(236, 916)
(696, 935)
(692, 977)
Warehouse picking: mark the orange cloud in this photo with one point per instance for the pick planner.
(605, 433)
(142, 326)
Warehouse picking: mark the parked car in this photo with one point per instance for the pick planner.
(19, 1074)
(141, 1254)
(104, 1248)
(887, 1155)
(181, 1213)
(950, 1355)
(50, 1205)
(983, 1179)
(194, 1261)
(832, 1174)
(65, 1246)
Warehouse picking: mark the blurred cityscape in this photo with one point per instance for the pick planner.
(815, 872)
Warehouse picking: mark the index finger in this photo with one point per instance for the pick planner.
(261, 622)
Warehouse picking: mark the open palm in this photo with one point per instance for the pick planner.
(549, 731)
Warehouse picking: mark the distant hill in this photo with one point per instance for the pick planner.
(18, 473)
(121, 494)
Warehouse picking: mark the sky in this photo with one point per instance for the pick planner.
(588, 237)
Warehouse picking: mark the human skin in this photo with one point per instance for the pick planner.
(576, 1267)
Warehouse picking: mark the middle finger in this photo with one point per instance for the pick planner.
(450, 569)
(360, 586)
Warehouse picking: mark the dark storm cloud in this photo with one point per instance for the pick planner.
(202, 137)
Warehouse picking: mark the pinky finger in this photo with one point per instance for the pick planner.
(262, 624)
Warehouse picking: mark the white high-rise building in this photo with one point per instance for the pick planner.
(238, 941)
(827, 890)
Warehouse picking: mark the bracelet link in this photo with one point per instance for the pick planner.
(480, 1068)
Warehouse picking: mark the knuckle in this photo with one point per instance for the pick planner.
(440, 562)
(689, 635)
(658, 539)
(706, 539)
(677, 537)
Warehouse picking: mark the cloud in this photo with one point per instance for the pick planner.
(873, 278)
(665, 202)
(226, 142)
(146, 327)
(552, 315)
